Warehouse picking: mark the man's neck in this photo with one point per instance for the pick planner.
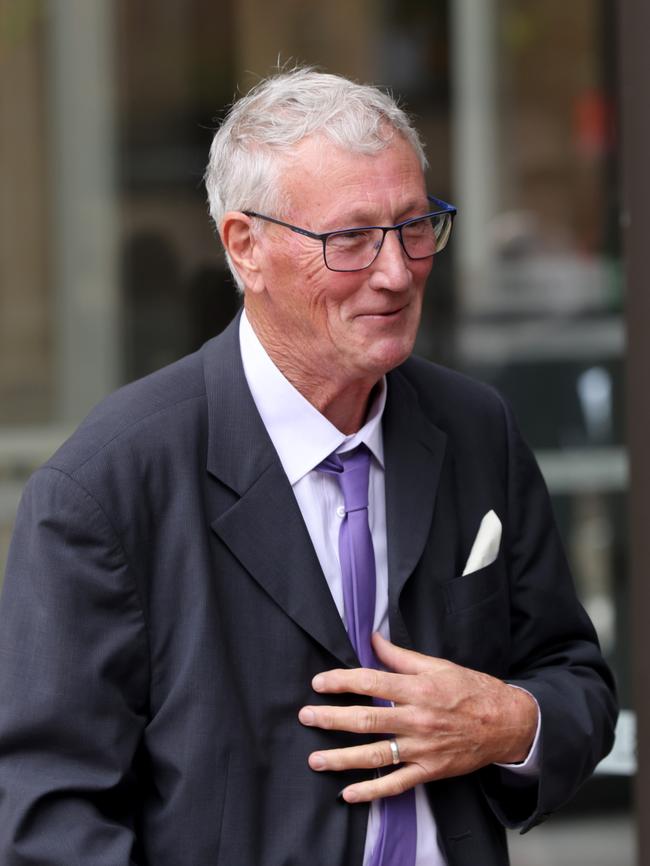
(343, 402)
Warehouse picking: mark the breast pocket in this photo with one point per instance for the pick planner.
(477, 622)
(476, 588)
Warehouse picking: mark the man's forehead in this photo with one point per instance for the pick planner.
(319, 154)
(342, 183)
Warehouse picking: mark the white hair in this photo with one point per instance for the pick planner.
(262, 129)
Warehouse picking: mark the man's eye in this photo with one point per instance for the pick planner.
(350, 240)
(418, 229)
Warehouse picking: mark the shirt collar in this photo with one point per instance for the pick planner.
(302, 437)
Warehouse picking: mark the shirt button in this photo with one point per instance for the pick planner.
(340, 511)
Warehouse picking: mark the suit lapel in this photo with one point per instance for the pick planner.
(414, 450)
(263, 526)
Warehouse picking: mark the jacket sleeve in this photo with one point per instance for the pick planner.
(73, 684)
(554, 654)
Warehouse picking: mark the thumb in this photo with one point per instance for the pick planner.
(398, 659)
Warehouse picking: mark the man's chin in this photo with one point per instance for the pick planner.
(391, 354)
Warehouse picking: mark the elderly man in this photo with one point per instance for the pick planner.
(299, 597)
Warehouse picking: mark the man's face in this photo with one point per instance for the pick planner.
(341, 327)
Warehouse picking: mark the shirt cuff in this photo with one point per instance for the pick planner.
(530, 766)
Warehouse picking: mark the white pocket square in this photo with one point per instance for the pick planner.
(486, 544)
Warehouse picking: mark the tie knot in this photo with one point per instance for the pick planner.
(352, 469)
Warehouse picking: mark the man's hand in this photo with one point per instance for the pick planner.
(447, 720)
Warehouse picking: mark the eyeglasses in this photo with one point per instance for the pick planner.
(354, 249)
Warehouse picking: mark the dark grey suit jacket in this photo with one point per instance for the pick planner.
(164, 612)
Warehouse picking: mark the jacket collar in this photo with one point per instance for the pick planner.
(263, 526)
(414, 450)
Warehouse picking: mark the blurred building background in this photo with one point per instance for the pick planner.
(109, 267)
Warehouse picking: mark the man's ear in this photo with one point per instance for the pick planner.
(237, 236)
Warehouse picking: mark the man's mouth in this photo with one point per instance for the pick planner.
(384, 314)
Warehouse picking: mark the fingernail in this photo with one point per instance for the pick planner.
(339, 796)
(306, 716)
(318, 682)
(316, 762)
(350, 795)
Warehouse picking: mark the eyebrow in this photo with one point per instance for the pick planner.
(360, 218)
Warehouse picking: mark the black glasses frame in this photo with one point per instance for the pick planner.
(443, 209)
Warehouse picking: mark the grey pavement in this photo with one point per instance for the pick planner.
(594, 841)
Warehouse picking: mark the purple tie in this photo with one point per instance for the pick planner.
(396, 842)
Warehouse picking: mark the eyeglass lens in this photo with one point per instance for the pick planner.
(355, 250)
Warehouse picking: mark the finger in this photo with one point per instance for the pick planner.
(400, 660)
(357, 720)
(365, 681)
(390, 785)
(368, 757)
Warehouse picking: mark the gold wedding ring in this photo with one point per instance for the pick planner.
(394, 748)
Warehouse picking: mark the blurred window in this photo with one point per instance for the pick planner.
(110, 268)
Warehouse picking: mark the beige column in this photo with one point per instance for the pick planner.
(474, 142)
(25, 312)
(84, 202)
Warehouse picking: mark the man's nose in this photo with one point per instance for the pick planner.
(390, 268)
